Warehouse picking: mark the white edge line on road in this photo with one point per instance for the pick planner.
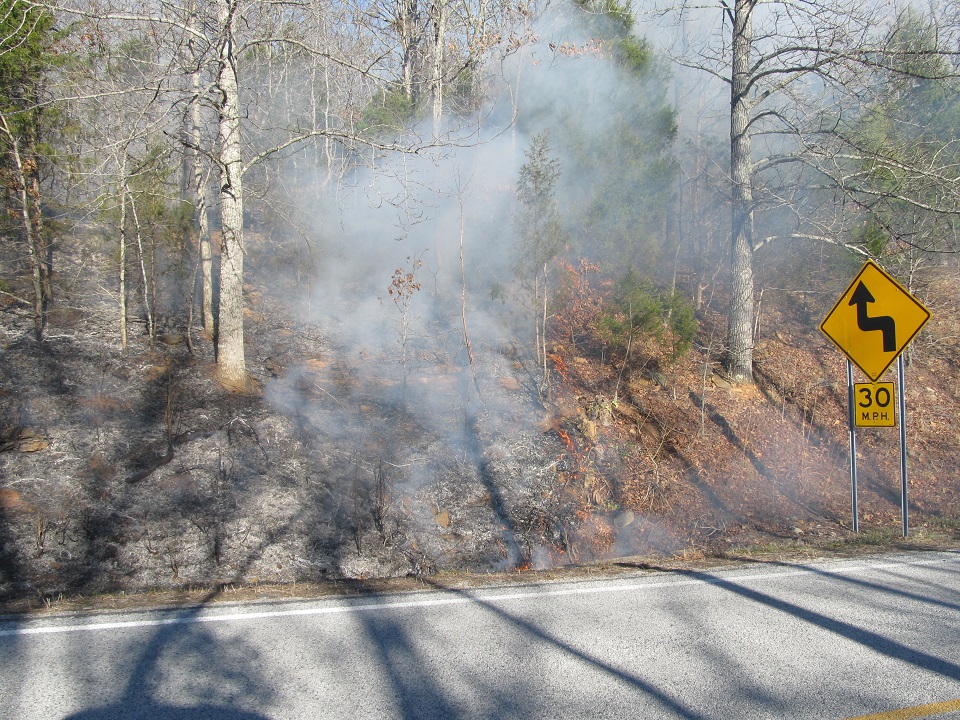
(460, 599)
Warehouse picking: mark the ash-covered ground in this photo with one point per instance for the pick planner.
(137, 471)
(363, 453)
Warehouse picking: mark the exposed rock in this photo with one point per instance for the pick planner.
(24, 439)
(509, 383)
(600, 410)
(720, 381)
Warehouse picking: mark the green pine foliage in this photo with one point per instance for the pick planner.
(913, 121)
(872, 236)
(538, 215)
(638, 309)
(389, 112)
(25, 40)
(27, 37)
(616, 138)
(625, 169)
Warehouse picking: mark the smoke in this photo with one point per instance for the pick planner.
(414, 257)
(416, 210)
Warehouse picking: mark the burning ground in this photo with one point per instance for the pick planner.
(128, 473)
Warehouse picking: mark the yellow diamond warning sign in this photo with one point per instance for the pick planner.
(874, 320)
(873, 404)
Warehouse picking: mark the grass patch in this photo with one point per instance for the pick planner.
(950, 525)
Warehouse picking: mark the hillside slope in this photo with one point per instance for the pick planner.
(133, 472)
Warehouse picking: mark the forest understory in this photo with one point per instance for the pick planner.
(126, 473)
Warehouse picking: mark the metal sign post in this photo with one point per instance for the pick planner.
(903, 446)
(872, 323)
(853, 447)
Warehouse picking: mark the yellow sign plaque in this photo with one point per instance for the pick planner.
(874, 320)
(873, 404)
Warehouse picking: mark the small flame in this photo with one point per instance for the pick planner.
(559, 365)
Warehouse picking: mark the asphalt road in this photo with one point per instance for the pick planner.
(840, 639)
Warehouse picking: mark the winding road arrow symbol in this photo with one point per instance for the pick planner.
(897, 314)
(884, 323)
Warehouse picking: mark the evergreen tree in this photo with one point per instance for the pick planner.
(540, 231)
(25, 39)
(905, 150)
(619, 198)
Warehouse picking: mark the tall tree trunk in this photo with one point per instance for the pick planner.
(147, 295)
(407, 21)
(206, 259)
(696, 210)
(197, 179)
(44, 246)
(740, 313)
(543, 324)
(439, 38)
(480, 34)
(231, 364)
(328, 148)
(203, 222)
(37, 261)
(123, 267)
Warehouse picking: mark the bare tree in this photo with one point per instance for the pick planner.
(279, 79)
(25, 187)
(114, 99)
(792, 68)
(196, 171)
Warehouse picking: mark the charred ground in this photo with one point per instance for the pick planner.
(137, 471)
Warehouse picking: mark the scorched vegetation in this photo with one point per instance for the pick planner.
(327, 292)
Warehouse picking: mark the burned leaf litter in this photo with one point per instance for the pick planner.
(137, 472)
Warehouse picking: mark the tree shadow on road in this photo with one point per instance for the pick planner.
(166, 712)
(530, 632)
(216, 678)
(850, 631)
(863, 584)
(415, 690)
